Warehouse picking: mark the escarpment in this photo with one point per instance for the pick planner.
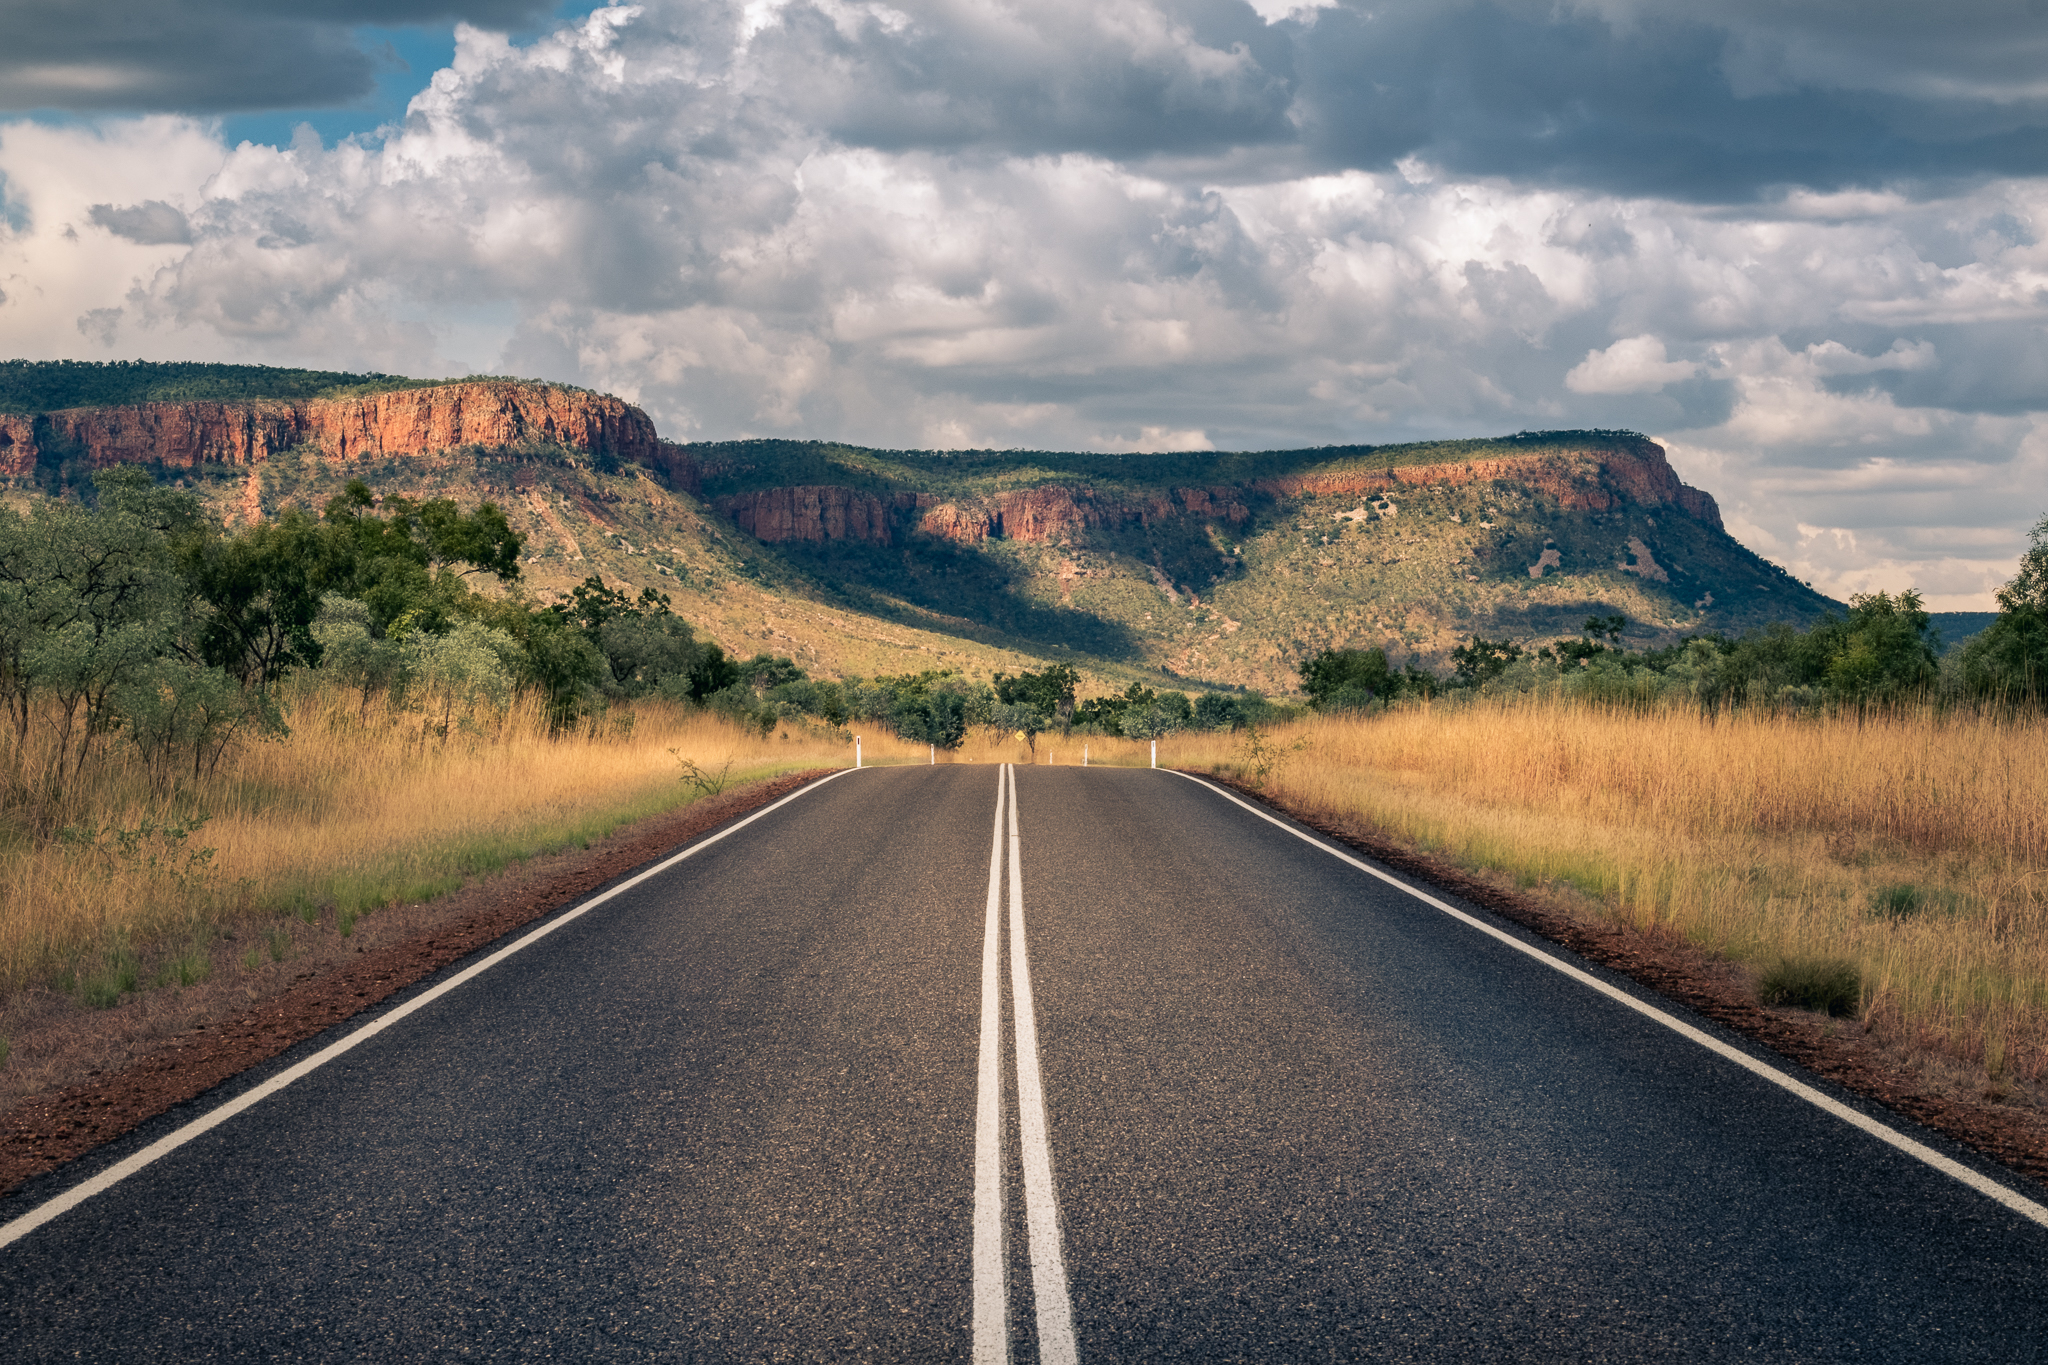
(415, 421)
(1596, 479)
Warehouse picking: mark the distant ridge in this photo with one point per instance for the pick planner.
(1226, 567)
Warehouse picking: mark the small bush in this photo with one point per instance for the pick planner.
(1830, 985)
(188, 968)
(114, 976)
(1901, 901)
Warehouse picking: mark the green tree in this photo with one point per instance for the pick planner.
(1163, 715)
(647, 648)
(2010, 658)
(1481, 660)
(1886, 650)
(1021, 718)
(1219, 711)
(1050, 691)
(1346, 679)
(256, 594)
(181, 717)
(89, 599)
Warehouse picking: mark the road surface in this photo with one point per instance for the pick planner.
(774, 1103)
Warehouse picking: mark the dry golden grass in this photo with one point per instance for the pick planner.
(348, 814)
(1913, 845)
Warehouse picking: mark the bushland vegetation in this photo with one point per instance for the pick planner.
(317, 715)
(1884, 652)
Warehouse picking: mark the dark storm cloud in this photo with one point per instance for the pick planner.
(1650, 108)
(207, 56)
(1652, 99)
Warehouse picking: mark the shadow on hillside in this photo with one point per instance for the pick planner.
(952, 581)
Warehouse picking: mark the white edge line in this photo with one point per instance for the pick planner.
(2018, 1203)
(991, 1289)
(170, 1142)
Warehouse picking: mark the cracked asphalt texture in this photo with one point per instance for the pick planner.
(1295, 1115)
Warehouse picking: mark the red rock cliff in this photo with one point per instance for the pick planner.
(815, 513)
(1595, 479)
(399, 422)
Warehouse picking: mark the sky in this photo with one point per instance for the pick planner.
(1798, 242)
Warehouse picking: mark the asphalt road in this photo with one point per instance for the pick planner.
(1289, 1113)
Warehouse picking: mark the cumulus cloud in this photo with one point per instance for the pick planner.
(1634, 365)
(1138, 227)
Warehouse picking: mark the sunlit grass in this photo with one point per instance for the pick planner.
(352, 812)
(1913, 846)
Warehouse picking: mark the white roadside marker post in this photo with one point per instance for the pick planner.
(1155, 753)
(935, 756)
(856, 751)
(1084, 755)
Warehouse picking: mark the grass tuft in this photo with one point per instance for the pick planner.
(189, 967)
(1828, 985)
(114, 974)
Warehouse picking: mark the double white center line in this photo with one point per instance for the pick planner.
(1041, 1207)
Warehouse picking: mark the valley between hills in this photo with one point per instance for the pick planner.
(1205, 569)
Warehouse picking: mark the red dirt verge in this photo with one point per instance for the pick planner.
(45, 1131)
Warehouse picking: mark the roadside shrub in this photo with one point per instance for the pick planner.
(1829, 985)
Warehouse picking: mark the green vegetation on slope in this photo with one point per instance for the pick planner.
(52, 385)
(752, 465)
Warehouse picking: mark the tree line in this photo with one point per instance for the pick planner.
(1885, 650)
(52, 385)
(940, 707)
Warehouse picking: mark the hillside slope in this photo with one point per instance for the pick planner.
(1231, 567)
(1216, 567)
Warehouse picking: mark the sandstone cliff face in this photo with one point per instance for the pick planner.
(1592, 480)
(962, 525)
(814, 513)
(401, 422)
(17, 445)
(1031, 516)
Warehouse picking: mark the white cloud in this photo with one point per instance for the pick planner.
(1154, 441)
(1632, 365)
